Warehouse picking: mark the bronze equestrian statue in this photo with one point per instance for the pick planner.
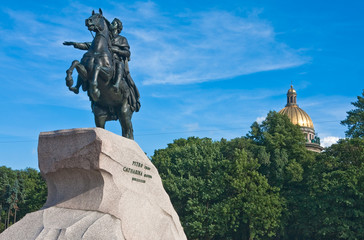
(104, 73)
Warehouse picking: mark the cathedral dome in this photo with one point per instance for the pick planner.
(294, 113)
(297, 116)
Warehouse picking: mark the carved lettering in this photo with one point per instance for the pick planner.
(137, 164)
(138, 180)
(133, 171)
(138, 172)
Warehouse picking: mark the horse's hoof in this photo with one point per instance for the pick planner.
(75, 90)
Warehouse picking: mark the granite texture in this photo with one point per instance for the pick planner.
(100, 186)
(61, 224)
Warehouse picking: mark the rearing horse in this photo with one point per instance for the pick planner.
(95, 74)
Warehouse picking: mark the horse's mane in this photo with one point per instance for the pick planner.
(107, 22)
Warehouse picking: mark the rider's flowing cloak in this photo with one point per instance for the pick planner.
(133, 100)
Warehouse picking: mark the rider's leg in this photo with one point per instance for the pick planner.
(119, 68)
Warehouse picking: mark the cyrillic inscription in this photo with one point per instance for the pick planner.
(133, 171)
(138, 180)
(137, 164)
(138, 172)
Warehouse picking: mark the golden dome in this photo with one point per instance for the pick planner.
(291, 91)
(297, 116)
(294, 113)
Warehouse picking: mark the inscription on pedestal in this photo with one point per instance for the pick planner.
(139, 169)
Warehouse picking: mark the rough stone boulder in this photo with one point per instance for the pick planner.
(100, 186)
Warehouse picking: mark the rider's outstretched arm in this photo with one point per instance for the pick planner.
(82, 46)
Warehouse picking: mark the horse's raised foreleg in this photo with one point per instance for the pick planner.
(81, 71)
(69, 78)
(82, 75)
(81, 80)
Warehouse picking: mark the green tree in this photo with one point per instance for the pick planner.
(259, 204)
(218, 194)
(280, 149)
(277, 132)
(21, 192)
(336, 187)
(7, 179)
(12, 193)
(33, 190)
(355, 119)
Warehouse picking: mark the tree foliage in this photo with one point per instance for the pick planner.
(218, 196)
(284, 161)
(21, 192)
(336, 188)
(355, 119)
(265, 185)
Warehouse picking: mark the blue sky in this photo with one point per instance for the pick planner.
(203, 68)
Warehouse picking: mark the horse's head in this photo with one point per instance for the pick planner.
(97, 22)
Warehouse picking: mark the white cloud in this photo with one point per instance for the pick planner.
(209, 46)
(260, 119)
(43, 35)
(205, 46)
(192, 127)
(328, 141)
(181, 49)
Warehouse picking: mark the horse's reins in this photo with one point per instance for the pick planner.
(93, 37)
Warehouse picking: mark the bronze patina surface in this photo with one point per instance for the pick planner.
(104, 73)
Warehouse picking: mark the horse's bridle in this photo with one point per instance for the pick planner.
(99, 31)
